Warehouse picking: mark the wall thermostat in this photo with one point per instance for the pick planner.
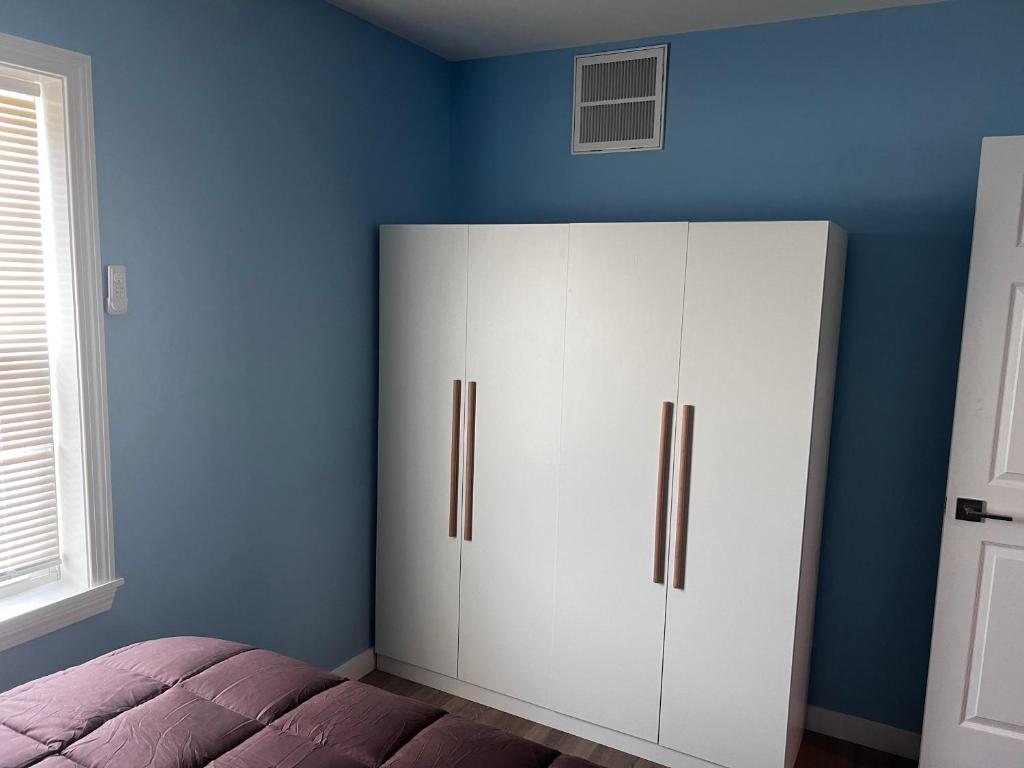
(117, 290)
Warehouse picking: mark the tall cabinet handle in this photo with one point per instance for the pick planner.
(683, 502)
(467, 523)
(453, 494)
(661, 506)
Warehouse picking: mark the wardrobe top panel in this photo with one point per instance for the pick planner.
(810, 222)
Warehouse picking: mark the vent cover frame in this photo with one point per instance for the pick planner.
(656, 141)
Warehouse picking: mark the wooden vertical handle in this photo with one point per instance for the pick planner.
(453, 494)
(683, 502)
(467, 523)
(661, 506)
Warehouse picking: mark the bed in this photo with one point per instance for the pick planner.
(185, 702)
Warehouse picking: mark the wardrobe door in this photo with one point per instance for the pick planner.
(423, 274)
(749, 356)
(621, 375)
(516, 329)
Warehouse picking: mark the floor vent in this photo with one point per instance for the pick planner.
(619, 101)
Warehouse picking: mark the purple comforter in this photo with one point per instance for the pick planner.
(185, 702)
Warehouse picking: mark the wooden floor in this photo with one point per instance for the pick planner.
(818, 751)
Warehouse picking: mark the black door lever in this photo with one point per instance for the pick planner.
(973, 511)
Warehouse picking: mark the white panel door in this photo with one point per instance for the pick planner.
(749, 356)
(423, 274)
(516, 329)
(622, 363)
(974, 714)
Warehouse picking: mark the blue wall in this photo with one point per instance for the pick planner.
(247, 150)
(874, 120)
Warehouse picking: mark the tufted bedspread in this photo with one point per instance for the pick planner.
(185, 702)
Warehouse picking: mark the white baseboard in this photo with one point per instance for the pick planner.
(358, 666)
(867, 733)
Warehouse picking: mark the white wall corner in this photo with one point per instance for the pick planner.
(867, 733)
(359, 666)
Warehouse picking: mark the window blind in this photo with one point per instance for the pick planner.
(28, 485)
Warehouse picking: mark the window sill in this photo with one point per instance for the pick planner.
(36, 612)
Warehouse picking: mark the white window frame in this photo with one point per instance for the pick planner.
(87, 582)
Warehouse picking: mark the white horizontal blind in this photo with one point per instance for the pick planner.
(28, 486)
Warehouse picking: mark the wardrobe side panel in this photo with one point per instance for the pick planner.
(835, 271)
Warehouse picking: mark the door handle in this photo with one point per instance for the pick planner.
(661, 504)
(453, 493)
(973, 511)
(467, 504)
(683, 501)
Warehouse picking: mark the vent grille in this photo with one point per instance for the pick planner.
(619, 100)
(625, 79)
(627, 121)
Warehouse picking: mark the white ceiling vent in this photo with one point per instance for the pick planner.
(619, 100)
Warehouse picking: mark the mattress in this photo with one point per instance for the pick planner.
(185, 702)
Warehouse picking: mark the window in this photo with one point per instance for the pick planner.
(56, 542)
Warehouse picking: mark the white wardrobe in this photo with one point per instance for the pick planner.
(602, 458)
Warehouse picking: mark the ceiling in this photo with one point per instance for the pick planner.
(471, 29)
